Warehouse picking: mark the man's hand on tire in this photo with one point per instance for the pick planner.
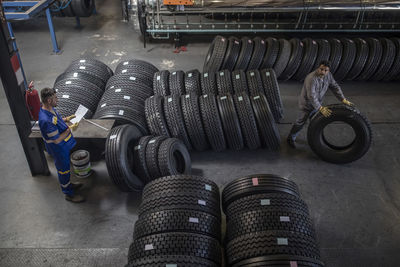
(326, 112)
(347, 102)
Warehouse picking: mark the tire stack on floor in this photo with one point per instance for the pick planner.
(179, 224)
(82, 83)
(134, 160)
(268, 224)
(216, 110)
(125, 93)
(74, 8)
(359, 59)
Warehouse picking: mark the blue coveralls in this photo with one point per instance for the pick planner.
(51, 126)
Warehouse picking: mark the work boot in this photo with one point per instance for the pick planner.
(75, 198)
(76, 186)
(291, 142)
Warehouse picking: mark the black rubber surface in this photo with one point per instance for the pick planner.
(152, 152)
(254, 82)
(179, 260)
(232, 54)
(388, 56)
(239, 81)
(271, 53)
(272, 92)
(192, 82)
(285, 50)
(394, 71)
(295, 59)
(348, 57)
(224, 82)
(310, 53)
(173, 158)
(131, 80)
(374, 59)
(154, 110)
(78, 75)
(177, 83)
(246, 51)
(161, 83)
(136, 65)
(360, 60)
(336, 54)
(139, 159)
(208, 83)
(258, 53)
(216, 54)
(324, 52)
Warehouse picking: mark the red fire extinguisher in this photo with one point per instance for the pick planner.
(32, 101)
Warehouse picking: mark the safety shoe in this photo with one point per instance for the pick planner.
(291, 142)
(76, 186)
(75, 198)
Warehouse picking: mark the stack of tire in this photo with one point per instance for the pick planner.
(206, 112)
(179, 224)
(133, 160)
(125, 93)
(351, 58)
(82, 83)
(74, 8)
(268, 224)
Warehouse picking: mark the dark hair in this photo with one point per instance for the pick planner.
(326, 63)
(46, 93)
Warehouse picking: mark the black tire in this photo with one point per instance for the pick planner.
(239, 81)
(155, 117)
(246, 50)
(212, 122)
(247, 120)
(374, 59)
(324, 52)
(344, 154)
(258, 53)
(348, 57)
(94, 62)
(76, 97)
(224, 82)
(394, 71)
(161, 83)
(136, 65)
(278, 261)
(272, 92)
(188, 221)
(127, 93)
(230, 122)
(388, 56)
(310, 53)
(360, 60)
(68, 107)
(193, 123)
(254, 82)
(295, 59)
(232, 54)
(119, 150)
(139, 159)
(336, 54)
(285, 50)
(78, 75)
(208, 83)
(271, 53)
(133, 80)
(173, 158)
(215, 55)
(90, 69)
(83, 8)
(87, 89)
(257, 184)
(174, 117)
(179, 260)
(270, 137)
(176, 243)
(192, 82)
(152, 150)
(177, 83)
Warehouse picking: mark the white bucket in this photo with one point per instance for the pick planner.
(81, 162)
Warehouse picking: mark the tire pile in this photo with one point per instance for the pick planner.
(74, 8)
(179, 224)
(360, 59)
(268, 224)
(125, 93)
(216, 110)
(82, 83)
(134, 160)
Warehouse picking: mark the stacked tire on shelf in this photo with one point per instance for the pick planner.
(268, 224)
(351, 59)
(179, 224)
(82, 83)
(216, 110)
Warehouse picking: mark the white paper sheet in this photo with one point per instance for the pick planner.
(79, 113)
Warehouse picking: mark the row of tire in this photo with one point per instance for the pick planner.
(351, 59)
(73, 8)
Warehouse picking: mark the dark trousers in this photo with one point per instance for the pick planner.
(301, 120)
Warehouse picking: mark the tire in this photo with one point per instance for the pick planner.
(344, 154)
(272, 92)
(177, 83)
(174, 117)
(360, 60)
(271, 53)
(310, 53)
(239, 81)
(90, 69)
(179, 260)
(76, 97)
(394, 71)
(230, 122)
(389, 53)
(133, 80)
(324, 52)
(152, 150)
(282, 59)
(295, 59)
(87, 89)
(68, 107)
(208, 83)
(215, 55)
(258, 53)
(129, 93)
(119, 157)
(82, 8)
(254, 82)
(232, 54)
(246, 51)
(257, 184)
(280, 260)
(173, 158)
(78, 75)
(193, 123)
(161, 83)
(212, 122)
(270, 137)
(374, 59)
(192, 82)
(139, 65)
(119, 100)
(336, 54)
(139, 159)
(348, 57)
(247, 120)
(155, 116)
(224, 82)
(94, 62)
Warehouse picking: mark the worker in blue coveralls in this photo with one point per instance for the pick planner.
(310, 100)
(59, 142)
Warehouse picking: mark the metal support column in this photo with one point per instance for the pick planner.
(52, 32)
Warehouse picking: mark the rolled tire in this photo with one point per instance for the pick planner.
(90, 69)
(348, 57)
(152, 150)
(173, 158)
(136, 65)
(285, 49)
(177, 83)
(309, 56)
(324, 51)
(360, 60)
(126, 93)
(230, 122)
(78, 75)
(295, 59)
(78, 98)
(215, 55)
(388, 56)
(208, 83)
(192, 82)
(340, 154)
(254, 82)
(83, 8)
(258, 53)
(135, 80)
(224, 82)
(246, 50)
(164, 260)
(94, 62)
(119, 149)
(212, 122)
(161, 83)
(68, 107)
(374, 59)
(239, 81)
(232, 54)
(271, 53)
(336, 54)
(247, 120)
(139, 159)
(279, 260)
(87, 89)
(155, 117)
(394, 71)
(272, 92)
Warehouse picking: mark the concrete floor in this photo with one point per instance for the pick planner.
(355, 207)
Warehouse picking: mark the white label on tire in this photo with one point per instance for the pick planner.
(113, 136)
(123, 71)
(105, 104)
(350, 40)
(204, 96)
(137, 147)
(201, 202)
(190, 75)
(158, 77)
(262, 41)
(313, 42)
(293, 264)
(117, 90)
(208, 187)
(205, 75)
(152, 141)
(284, 218)
(237, 76)
(240, 98)
(132, 78)
(82, 61)
(169, 99)
(193, 220)
(125, 63)
(68, 82)
(251, 73)
(265, 202)
(82, 67)
(127, 97)
(174, 73)
(65, 96)
(223, 98)
(282, 241)
(112, 87)
(187, 96)
(267, 73)
(121, 112)
(221, 74)
(249, 41)
(236, 42)
(256, 97)
(148, 247)
(75, 74)
(223, 39)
